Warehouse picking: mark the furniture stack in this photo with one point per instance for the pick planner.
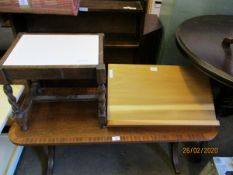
(140, 103)
(145, 103)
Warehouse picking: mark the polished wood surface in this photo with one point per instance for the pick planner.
(142, 95)
(77, 123)
(201, 38)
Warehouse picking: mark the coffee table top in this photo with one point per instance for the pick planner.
(54, 50)
(201, 38)
(50, 125)
(142, 95)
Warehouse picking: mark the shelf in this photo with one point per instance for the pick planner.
(120, 41)
(10, 155)
(119, 55)
(119, 6)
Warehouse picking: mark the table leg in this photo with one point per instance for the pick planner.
(175, 156)
(18, 114)
(101, 80)
(51, 155)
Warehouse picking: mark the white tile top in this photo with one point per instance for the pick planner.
(55, 50)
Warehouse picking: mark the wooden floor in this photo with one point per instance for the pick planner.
(77, 123)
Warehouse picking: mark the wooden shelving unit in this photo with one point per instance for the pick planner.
(122, 22)
(121, 41)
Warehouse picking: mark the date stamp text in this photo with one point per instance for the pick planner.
(200, 150)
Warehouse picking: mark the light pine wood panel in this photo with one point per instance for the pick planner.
(158, 95)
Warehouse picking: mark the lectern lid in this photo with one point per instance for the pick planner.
(202, 39)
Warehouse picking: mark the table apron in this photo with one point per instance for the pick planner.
(48, 74)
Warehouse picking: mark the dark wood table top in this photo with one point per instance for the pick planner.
(59, 123)
(201, 38)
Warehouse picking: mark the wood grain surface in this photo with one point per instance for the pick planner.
(141, 95)
(77, 123)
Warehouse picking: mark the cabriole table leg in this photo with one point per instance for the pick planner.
(51, 155)
(175, 156)
(101, 81)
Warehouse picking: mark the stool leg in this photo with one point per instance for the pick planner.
(21, 113)
(18, 114)
(101, 81)
(51, 154)
(175, 157)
